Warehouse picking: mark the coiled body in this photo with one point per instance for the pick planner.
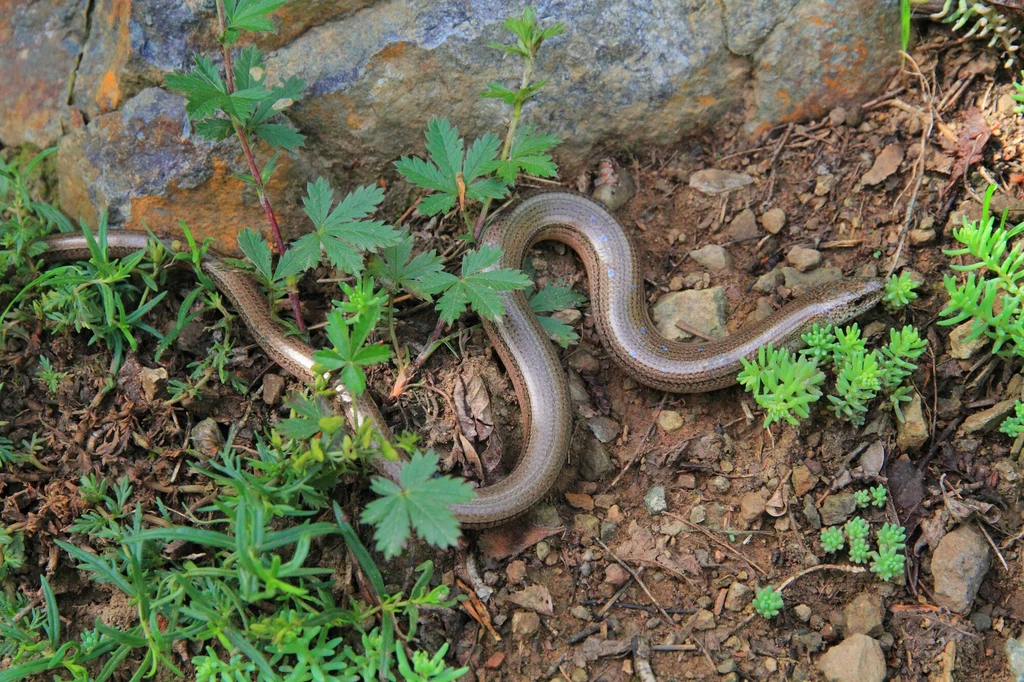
(529, 357)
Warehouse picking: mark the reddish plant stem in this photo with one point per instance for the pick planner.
(268, 210)
(409, 371)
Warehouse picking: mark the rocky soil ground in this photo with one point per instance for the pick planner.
(675, 509)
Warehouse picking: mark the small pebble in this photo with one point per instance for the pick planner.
(804, 259)
(654, 500)
(670, 420)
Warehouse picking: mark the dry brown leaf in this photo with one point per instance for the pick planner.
(886, 163)
(473, 459)
(473, 407)
(974, 135)
(511, 539)
(535, 598)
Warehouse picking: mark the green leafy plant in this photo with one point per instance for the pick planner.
(899, 291)
(990, 295)
(782, 384)
(879, 495)
(241, 103)
(553, 298)
(862, 498)
(832, 539)
(419, 500)
(985, 21)
(49, 377)
(887, 563)
(468, 178)
(860, 552)
(778, 379)
(767, 602)
(1013, 426)
(857, 529)
(12, 551)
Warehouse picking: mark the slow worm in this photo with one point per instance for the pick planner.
(618, 307)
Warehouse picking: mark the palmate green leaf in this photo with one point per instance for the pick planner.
(302, 255)
(342, 233)
(251, 15)
(555, 297)
(280, 136)
(349, 354)
(478, 286)
(420, 501)
(441, 172)
(255, 248)
(394, 269)
(529, 153)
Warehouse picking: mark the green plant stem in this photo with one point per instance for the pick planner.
(254, 169)
(506, 149)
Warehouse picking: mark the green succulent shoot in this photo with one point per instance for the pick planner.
(832, 539)
(891, 536)
(767, 602)
(856, 529)
(887, 563)
(1014, 426)
(862, 498)
(879, 496)
(899, 291)
(859, 551)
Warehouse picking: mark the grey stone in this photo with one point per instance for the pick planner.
(837, 508)
(804, 259)
(654, 500)
(587, 525)
(773, 220)
(595, 462)
(705, 620)
(863, 615)
(704, 311)
(698, 514)
(1015, 657)
(769, 281)
(615, 196)
(744, 225)
(858, 658)
(144, 166)
(959, 347)
(811, 513)
(959, 565)
(605, 428)
(981, 621)
(988, 419)
(802, 282)
(912, 432)
(802, 612)
(713, 257)
(738, 596)
(790, 62)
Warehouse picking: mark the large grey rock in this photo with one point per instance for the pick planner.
(40, 44)
(959, 564)
(143, 166)
(627, 75)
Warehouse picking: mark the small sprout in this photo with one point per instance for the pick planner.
(862, 498)
(899, 292)
(887, 563)
(856, 529)
(767, 602)
(859, 552)
(832, 539)
(879, 496)
(1014, 426)
(891, 536)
